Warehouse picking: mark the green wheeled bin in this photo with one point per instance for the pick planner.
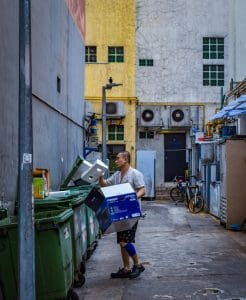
(93, 231)
(74, 200)
(53, 256)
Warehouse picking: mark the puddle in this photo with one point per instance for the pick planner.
(209, 291)
(162, 297)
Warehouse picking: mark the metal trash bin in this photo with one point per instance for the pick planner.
(54, 260)
(78, 226)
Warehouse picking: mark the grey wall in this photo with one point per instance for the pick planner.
(9, 100)
(57, 50)
(171, 32)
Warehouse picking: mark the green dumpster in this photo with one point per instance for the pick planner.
(53, 255)
(93, 231)
(74, 200)
(74, 178)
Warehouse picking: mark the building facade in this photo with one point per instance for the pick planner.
(186, 55)
(110, 52)
(57, 90)
(177, 59)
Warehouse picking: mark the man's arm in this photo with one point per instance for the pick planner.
(140, 192)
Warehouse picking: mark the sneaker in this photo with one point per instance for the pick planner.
(141, 268)
(122, 273)
(135, 272)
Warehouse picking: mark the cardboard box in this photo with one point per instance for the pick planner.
(116, 207)
(38, 188)
(41, 183)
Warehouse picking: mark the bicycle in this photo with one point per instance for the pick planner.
(188, 193)
(177, 193)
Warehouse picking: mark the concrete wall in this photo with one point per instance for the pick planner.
(57, 51)
(171, 33)
(9, 100)
(237, 49)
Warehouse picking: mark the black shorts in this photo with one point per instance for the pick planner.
(127, 236)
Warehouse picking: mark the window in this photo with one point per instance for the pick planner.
(91, 54)
(115, 54)
(146, 62)
(213, 75)
(146, 134)
(115, 132)
(213, 48)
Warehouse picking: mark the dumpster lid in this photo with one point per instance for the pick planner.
(55, 216)
(74, 174)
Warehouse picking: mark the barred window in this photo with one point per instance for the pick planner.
(116, 132)
(146, 62)
(213, 48)
(90, 54)
(115, 54)
(213, 75)
(146, 134)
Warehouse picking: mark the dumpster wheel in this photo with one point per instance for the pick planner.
(79, 280)
(82, 267)
(72, 295)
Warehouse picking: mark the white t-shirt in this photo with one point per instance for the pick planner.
(132, 176)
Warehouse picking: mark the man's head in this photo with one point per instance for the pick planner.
(122, 159)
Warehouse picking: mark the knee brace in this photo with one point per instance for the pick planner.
(130, 249)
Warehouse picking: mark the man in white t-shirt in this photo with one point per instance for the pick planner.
(127, 174)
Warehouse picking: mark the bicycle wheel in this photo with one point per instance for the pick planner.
(196, 204)
(176, 195)
(187, 201)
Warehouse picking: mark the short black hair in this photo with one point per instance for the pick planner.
(126, 155)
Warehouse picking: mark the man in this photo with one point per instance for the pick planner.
(127, 174)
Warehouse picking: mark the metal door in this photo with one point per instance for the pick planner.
(175, 155)
(146, 164)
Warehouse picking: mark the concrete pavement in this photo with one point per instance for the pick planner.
(186, 256)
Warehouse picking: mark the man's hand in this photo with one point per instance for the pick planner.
(102, 181)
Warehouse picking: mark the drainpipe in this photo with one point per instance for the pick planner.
(26, 239)
(222, 98)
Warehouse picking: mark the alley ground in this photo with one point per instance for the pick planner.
(186, 256)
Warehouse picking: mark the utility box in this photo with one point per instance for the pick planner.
(207, 153)
(116, 207)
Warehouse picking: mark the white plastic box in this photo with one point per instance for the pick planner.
(94, 171)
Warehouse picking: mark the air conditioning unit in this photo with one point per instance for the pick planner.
(149, 116)
(115, 110)
(180, 116)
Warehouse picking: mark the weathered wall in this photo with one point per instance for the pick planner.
(57, 51)
(9, 85)
(237, 37)
(171, 33)
(112, 23)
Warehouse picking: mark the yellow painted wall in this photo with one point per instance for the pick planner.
(112, 23)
